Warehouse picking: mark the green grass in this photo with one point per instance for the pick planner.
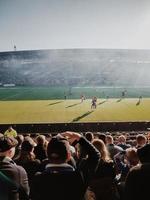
(47, 105)
(46, 93)
(54, 111)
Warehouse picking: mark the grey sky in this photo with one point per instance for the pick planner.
(48, 24)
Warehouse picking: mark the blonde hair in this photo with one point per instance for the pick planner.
(131, 154)
(100, 145)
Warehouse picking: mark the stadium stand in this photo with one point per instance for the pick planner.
(102, 177)
(99, 161)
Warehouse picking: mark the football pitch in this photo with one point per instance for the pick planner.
(53, 93)
(72, 110)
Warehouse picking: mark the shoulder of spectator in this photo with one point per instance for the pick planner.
(37, 174)
(119, 148)
(135, 168)
(37, 161)
(21, 170)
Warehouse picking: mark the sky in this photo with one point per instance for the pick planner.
(65, 24)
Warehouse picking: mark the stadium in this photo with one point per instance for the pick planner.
(40, 90)
(74, 100)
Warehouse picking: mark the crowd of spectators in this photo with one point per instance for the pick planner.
(74, 166)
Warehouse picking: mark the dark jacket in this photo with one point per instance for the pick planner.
(18, 176)
(113, 150)
(137, 183)
(63, 181)
(102, 184)
(124, 146)
(31, 167)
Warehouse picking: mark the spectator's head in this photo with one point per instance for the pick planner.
(122, 139)
(99, 144)
(102, 137)
(133, 142)
(141, 140)
(28, 145)
(7, 146)
(26, 135)
(34, 136)
(41, 140)
(89, 136)
(48, 136)
(131, 156)
(27, 150)
(148, 136)
(58, 150)
(20, 139)
(144, 154)
(109, 139)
